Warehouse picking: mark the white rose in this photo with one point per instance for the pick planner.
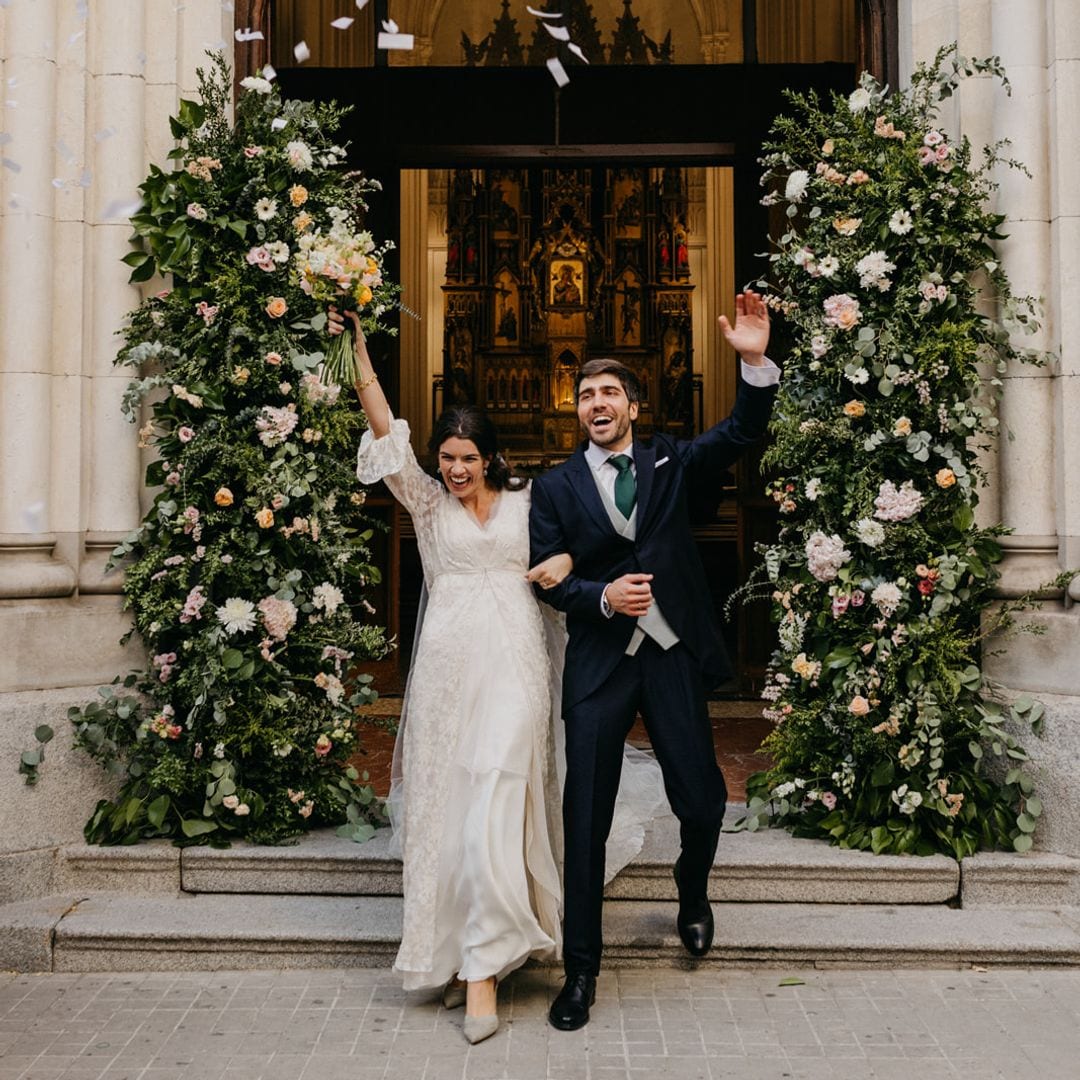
(859, 100)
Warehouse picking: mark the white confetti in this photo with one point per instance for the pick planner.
(390, 26)
(558, 72)
(277, 123)
(13, 81)
(8, 163)
(301, 52)
(75, 37)
(34, 517)
(247, 34)
(121, 209)
(361, 4)
(65, 151)
(142, 58)
(57, 182)
(15, 202)
(269, 73)
(5, 138)
(559, 33)
(543, 14)
(82, 9)
(216, 46)
(228, 6)
(395, 41)
(343, 23)
(86, 178)
(576, 50)
(11, 103)
(104, 133)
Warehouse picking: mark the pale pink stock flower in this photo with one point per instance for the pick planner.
(279, 616)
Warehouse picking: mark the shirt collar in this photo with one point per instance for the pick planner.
(596, 456)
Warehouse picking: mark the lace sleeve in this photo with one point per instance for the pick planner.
(391, 459)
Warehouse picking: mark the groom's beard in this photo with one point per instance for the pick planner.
(613, 432)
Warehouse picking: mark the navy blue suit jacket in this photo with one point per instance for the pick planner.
(568, 516)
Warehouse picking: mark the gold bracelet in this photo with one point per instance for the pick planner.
(362, 386)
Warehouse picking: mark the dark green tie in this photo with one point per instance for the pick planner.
(625, 484)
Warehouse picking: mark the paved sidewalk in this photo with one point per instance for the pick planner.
(647, 1025)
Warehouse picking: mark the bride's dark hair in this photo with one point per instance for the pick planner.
(469, 422)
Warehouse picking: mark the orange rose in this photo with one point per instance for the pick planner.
(223, 497)
(363, 295)
(276, 307)
(945, 478)
(264, 517)
(855, 409)
(298, 194)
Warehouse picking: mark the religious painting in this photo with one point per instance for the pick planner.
(567, 279)
(506, 308)
(504, 204)
(628, 308)
(460, 390)
(626, 203)
(563, 378)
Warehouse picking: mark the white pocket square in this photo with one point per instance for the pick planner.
(662, 461)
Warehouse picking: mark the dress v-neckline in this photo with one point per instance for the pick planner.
(481, 525)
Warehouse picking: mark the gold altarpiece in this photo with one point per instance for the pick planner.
(547, 268)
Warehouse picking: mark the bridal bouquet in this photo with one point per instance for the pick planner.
(344, 268)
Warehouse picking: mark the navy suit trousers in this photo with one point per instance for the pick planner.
(666, 687)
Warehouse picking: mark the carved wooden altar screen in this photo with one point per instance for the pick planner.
(547, 268)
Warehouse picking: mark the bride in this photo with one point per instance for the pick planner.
(475, 793)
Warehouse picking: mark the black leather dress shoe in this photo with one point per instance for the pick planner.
(695, 922)
(570, 1009)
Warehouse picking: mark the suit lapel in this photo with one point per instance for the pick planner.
(645, 465)
(584, 484)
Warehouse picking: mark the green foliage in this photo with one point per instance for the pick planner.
(886, 729)
(246, 578)
(31, 760)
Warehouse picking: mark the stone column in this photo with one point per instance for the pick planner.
(27, 541)
(1026, 450)
(1065, 272)
(112, 464)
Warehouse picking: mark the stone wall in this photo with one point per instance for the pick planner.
(87, 91)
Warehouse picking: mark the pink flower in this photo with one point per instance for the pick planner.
(323, 746)
(859, 706)
(858, 598)
(279, 616)
(252, 151)
(305, 810)
(185, 434)
(273, 358)
(828, 800)
(193, 605)
(207, 311)
(173, 479)
(841, 311)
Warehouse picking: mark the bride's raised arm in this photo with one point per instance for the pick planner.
(372, 399)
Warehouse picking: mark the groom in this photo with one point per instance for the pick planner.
(642, 636)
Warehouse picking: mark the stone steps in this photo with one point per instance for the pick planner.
(326, 901)
(768, 866)
(210, 932)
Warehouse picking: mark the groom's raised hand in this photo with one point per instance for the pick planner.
(630, 594)
(749, 337)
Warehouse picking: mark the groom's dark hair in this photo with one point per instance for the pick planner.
(606, 366)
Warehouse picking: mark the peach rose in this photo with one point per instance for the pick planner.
(276, 307)
(264, 517)
(854, 409)
(223, 497)
(945, 478)
(902, 427)
(273, 358)
(859, 706)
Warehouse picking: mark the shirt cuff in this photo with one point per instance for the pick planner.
(767, 374)
(605, 608)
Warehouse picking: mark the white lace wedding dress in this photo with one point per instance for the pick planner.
(475, 798)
